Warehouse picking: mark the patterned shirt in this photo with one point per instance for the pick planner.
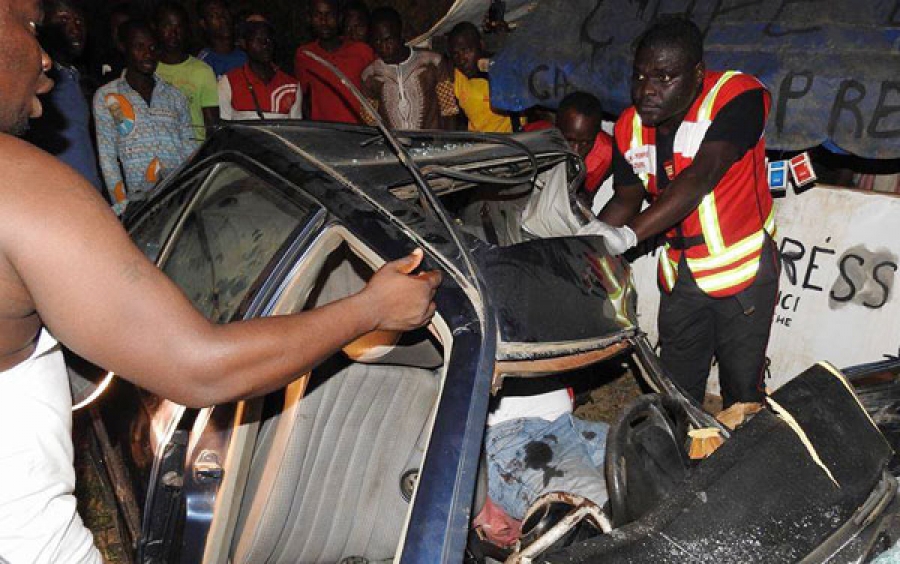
(148, 141)
(474, 95)
(415, 94)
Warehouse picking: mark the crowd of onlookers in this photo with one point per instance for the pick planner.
(145, 103)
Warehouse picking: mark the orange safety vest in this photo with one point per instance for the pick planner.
(730, 223)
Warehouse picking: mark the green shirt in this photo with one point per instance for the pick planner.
(197, 81)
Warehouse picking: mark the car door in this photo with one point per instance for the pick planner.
(226, 236)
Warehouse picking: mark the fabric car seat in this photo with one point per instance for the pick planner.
(324, 482)
(325, 479)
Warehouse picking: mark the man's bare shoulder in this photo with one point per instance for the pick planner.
(27, 168)
(40, 195)
(37, 188)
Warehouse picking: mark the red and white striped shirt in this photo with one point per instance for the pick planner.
(277, 99)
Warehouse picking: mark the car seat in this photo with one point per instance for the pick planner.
(325, 481)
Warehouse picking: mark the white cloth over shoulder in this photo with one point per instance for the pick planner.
(38, 520)
(548, 406)
(549, 211)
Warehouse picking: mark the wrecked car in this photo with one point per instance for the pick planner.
(375, 455)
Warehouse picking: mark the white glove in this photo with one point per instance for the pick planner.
(617, 239)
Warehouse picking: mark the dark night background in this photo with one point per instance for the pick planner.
(289, 17)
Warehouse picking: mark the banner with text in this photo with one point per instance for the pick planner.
(837, 297)
(831, 65)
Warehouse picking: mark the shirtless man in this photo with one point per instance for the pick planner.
(68, 268)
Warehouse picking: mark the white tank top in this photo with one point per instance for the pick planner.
(38, 521)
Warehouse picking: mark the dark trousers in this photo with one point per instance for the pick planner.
(694, 327)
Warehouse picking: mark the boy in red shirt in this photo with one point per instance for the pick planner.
(579, 118)
(326, 98)
(356, 21)
(258, 89)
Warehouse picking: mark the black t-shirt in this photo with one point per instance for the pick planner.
(740, 122)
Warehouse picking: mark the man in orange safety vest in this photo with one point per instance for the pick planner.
(693, 146)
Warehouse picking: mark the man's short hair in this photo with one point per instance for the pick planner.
(54, 5)
(467, 30)
(170, 7)
(132, 26)
(120, 8)
(336, 4)
(673, 31)
(202, 5)
(584, 103)
(357, 6)
(386, 15)
(252, 22)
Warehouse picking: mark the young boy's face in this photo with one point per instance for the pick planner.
(325, 19)
(260, 44)
(356, 26)
(172, 30)
(387, 43)
(216, 20)
(141, 52)
(464, 52)
(579, 130)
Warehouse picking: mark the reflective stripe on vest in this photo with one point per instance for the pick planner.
(736, 252)
(709, 217)
(705, 113)
(618, 293)
(637, 141)
(726, 266)
(747, 250)
(668, 270)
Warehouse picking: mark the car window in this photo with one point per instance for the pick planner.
(152, 229)
(228, 238)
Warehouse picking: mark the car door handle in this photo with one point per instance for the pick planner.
(207, 467)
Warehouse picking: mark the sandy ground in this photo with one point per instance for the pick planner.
(606, 402)
(620, 387)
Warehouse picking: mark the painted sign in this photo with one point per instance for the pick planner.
(839, 282)
(829, 64)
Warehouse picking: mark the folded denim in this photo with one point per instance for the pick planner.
(529, 457)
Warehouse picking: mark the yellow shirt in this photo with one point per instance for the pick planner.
(474, 95)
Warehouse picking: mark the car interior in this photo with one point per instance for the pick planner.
(649, 439)
(336, 456)
(325, 469)
(334, 465)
